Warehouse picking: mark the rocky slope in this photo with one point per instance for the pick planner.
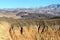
(30, 29)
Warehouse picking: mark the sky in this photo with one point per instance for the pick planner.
(26, 3)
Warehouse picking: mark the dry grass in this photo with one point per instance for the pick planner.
(4, 30)
(29, 29)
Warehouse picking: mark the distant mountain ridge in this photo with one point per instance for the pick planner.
(47, 11)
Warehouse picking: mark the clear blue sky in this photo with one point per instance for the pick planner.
(26, 3)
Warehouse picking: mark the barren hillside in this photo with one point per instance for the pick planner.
(41, 12)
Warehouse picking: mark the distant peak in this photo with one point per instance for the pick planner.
(54, 5)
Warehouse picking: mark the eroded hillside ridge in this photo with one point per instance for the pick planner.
(35, 29)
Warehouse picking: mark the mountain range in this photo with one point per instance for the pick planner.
(41, 12)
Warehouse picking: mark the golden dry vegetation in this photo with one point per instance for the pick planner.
(29, 29)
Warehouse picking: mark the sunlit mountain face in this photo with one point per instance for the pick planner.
(41, 12)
